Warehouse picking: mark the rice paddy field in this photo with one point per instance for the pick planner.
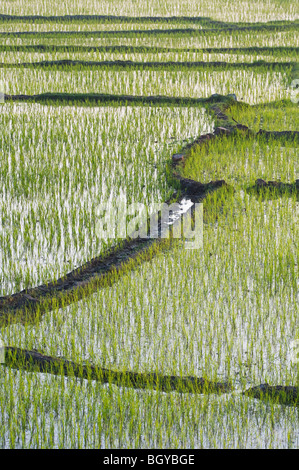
(97, 98)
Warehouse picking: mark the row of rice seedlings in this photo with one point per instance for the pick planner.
(242, 161)
(214, 40)
(255, 11)
(228, 311)
(16, 56)
(185, 27)
(137, 20)
(87, 26)
(250, 86)
(58, 164)
(276, 51)
(13, 57)
(42, 411)
(192, 37)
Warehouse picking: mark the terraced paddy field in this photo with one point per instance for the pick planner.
(120, 342)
